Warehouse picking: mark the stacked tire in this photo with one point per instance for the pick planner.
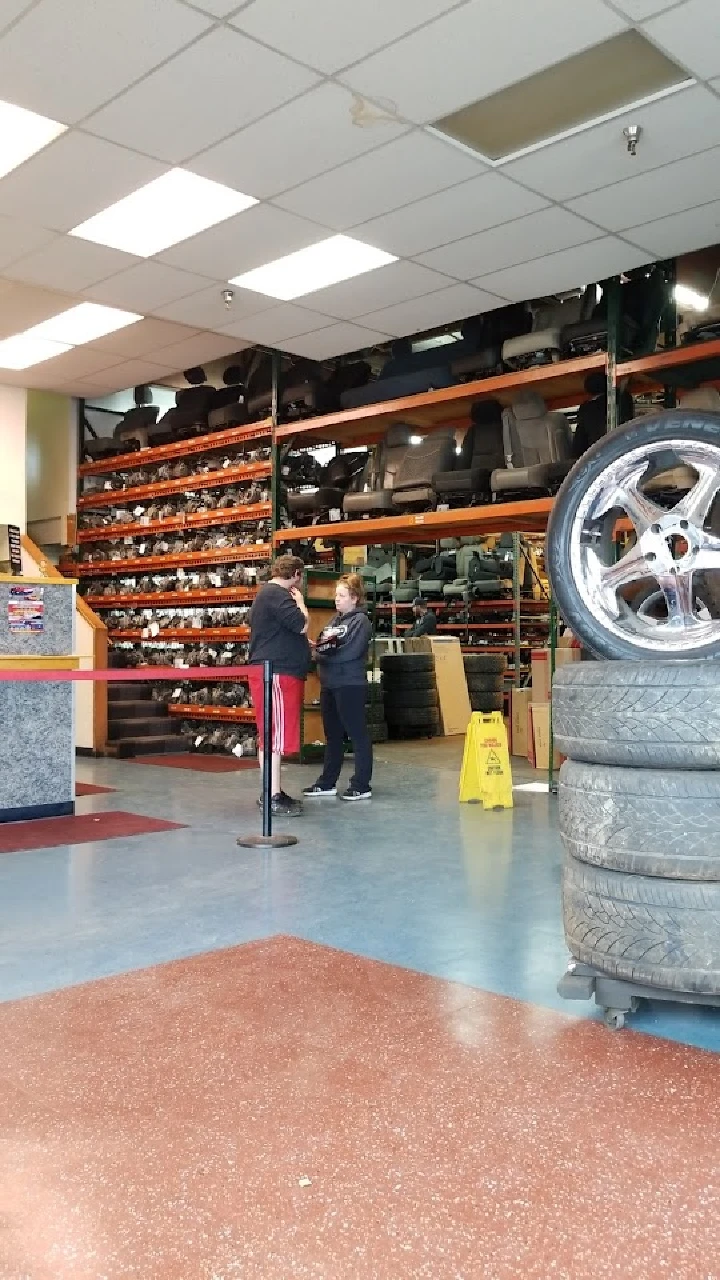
(640, 817)
(375, 714)
(485, 674)
(410, 695)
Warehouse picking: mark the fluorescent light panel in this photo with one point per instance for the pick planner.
(53, 337)
(162, 213)
(687, 297)
(322, 264)
(22, 134)
(25, 349)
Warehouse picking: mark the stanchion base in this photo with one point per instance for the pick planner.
(266, 842)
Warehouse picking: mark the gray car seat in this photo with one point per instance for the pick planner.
(414, 482)
(443, 569)
(476, 575)
(538, 448)
(482, 450)
(544, 343)
(381, 471)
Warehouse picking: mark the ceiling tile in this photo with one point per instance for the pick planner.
(672, 128)
(134, 373)
(690, 33)
(335, 340)
(638, 10)
(695, 180)
(569, 269)
(22, 306)
(148, 286)
(65, 66)
(196, 350)
(10, 10)
(208, 310)
(392, 175)
(218, 84)
(477, 49)
(217, 8)
(397, 282)
(265, 158)
(70, 264)
(54, 187)
(80, 362)
(253, 238)
(273, 327)
(18, 238)
(449, 215)
(330, 34)
(447, 305)
(680, 233)
(544, 232)
(144, 338)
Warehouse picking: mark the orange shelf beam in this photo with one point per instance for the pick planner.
(186, 484)
(196, 520)
(561, 384)
(530, 516)
(646, 372)
(188, 634)
(191, 711)
(178, 449)
(193, 559)
(182, 599)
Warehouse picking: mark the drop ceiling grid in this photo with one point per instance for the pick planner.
(197, 268)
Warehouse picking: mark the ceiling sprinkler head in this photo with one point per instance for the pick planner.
(632, 137)
(227, 297)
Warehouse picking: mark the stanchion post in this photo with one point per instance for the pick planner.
(267, 840)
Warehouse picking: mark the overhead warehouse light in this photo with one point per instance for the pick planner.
(322, 264)
(162, 213)
(688, 297)
(22, 134)
(84, 323)
(26, 349)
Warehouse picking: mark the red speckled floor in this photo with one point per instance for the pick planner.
(281, 1110)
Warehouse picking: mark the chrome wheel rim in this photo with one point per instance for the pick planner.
(673, 547)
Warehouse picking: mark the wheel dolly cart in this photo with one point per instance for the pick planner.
(617, 996)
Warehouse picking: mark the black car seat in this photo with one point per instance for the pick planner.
(380, 473)
(592, 414)
(334, 481)
(228, 403)
(480, 453)
(413, 486)
(442, 570)
(538, 448)
(405, 373)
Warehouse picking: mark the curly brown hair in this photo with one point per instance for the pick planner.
(355, 586)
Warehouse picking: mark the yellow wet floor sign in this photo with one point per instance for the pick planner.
(486, 777)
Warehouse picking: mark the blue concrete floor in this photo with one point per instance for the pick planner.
(411, 878)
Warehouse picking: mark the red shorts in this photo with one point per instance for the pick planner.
(287, 702)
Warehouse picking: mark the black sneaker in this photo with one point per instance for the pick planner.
(283, 806)
(354, 793)
(317, 789)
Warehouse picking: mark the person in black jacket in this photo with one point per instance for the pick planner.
(425, 623)
(278, 633)
(341, 651)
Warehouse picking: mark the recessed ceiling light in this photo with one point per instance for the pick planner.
(322, 264)
(22, 133)
(167, 210)
(83, 323)
(26, 349)
(691, 298)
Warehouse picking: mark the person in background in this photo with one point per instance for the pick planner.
(278, 633)
(425, 623)
(341, 651)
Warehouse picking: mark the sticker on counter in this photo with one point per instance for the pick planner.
(26, 609)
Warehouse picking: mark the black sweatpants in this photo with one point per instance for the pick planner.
(343, 712)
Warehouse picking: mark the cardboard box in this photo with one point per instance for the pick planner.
(453, 696)
(520, 737)
(540, 668)
(540, 718)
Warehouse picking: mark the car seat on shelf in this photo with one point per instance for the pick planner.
(477, 575)
(538, 448)
(303, 394)
(480, 453)
(405, 373)
(132, 432)
(442, 570)
(380, 473)
(591, 422)
(333, 483)
(413, 486)
(544, 342)
(228, 403)
(377, 579)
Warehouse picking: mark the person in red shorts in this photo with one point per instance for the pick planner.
(278, 633)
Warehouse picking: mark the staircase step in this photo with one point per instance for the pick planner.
(120, 691)
(132, 708)
(129, 747)
(118, 730)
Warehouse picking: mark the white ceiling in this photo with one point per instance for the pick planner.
(319, 109)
